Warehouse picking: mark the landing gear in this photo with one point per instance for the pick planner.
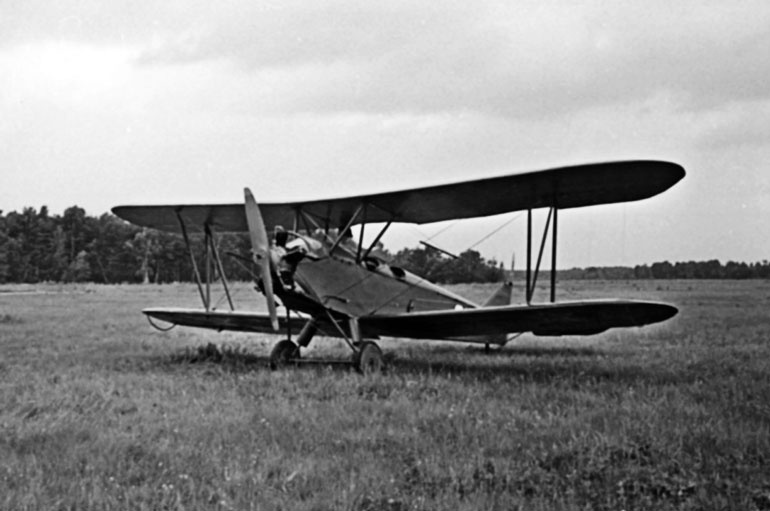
(283, 354)
(368, 358)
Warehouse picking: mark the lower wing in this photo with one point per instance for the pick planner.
(224, 320)
(242, 321)
(565, 318)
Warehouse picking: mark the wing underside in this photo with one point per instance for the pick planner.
(553, 319)
(568, 318)
(565, 187)
(239, 321)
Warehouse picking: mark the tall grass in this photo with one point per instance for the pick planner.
(99, 411)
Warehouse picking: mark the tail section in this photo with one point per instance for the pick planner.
(501, 297)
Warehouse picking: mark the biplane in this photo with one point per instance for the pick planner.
(305, 256)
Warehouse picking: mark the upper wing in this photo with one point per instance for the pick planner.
(567, 318)
(565, 187)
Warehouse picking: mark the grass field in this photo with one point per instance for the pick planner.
(100, 411)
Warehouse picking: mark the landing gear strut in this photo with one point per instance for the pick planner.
(286, 352)
(367, 356)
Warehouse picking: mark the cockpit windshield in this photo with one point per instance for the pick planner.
(306, 245)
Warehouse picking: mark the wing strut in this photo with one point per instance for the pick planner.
(213, 264)
(553, 254)
(361, 235)
(220, 269)
(377, 238)
(341, 234)
(532, 276)
(192, 259)
(529, 255)
(379, 234)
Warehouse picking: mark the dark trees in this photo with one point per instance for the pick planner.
(74, 247)
(468, 267)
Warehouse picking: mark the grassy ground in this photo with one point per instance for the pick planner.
(99, 411)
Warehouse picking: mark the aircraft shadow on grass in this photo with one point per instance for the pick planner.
(581, 365)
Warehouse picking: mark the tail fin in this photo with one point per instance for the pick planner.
(501, 297)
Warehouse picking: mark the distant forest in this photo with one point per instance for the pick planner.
(36, 246)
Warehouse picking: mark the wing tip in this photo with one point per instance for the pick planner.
(662, 312)
(675, 172)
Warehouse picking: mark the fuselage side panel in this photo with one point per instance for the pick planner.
(355, 289)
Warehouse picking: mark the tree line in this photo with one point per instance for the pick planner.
(36, 246)
(469, 266)
(712, 269)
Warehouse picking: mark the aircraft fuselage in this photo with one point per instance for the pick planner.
(340, 282)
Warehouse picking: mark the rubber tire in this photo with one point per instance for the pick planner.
(283, 353)
(368, 360)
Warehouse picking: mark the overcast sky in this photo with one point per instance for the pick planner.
(107, 103)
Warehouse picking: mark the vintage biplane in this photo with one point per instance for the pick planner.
(335, 285)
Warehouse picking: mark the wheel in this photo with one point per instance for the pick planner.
(283, 353)
(368, 359)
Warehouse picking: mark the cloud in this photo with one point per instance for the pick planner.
(524, 60)
(518, 60)
(108, 102)
(738, 125)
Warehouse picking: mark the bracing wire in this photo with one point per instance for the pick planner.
(428, 238)
(498, 229)
(479, 242)
(494, 231)
(444, 229)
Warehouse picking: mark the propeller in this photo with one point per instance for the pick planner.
(260, 250)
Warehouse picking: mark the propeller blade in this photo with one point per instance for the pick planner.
(260, 249)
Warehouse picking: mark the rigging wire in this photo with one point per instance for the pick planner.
(421, 279)
(515, 217)
(421, 234)
(444, 229)
(479, 242)
(235, 292)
